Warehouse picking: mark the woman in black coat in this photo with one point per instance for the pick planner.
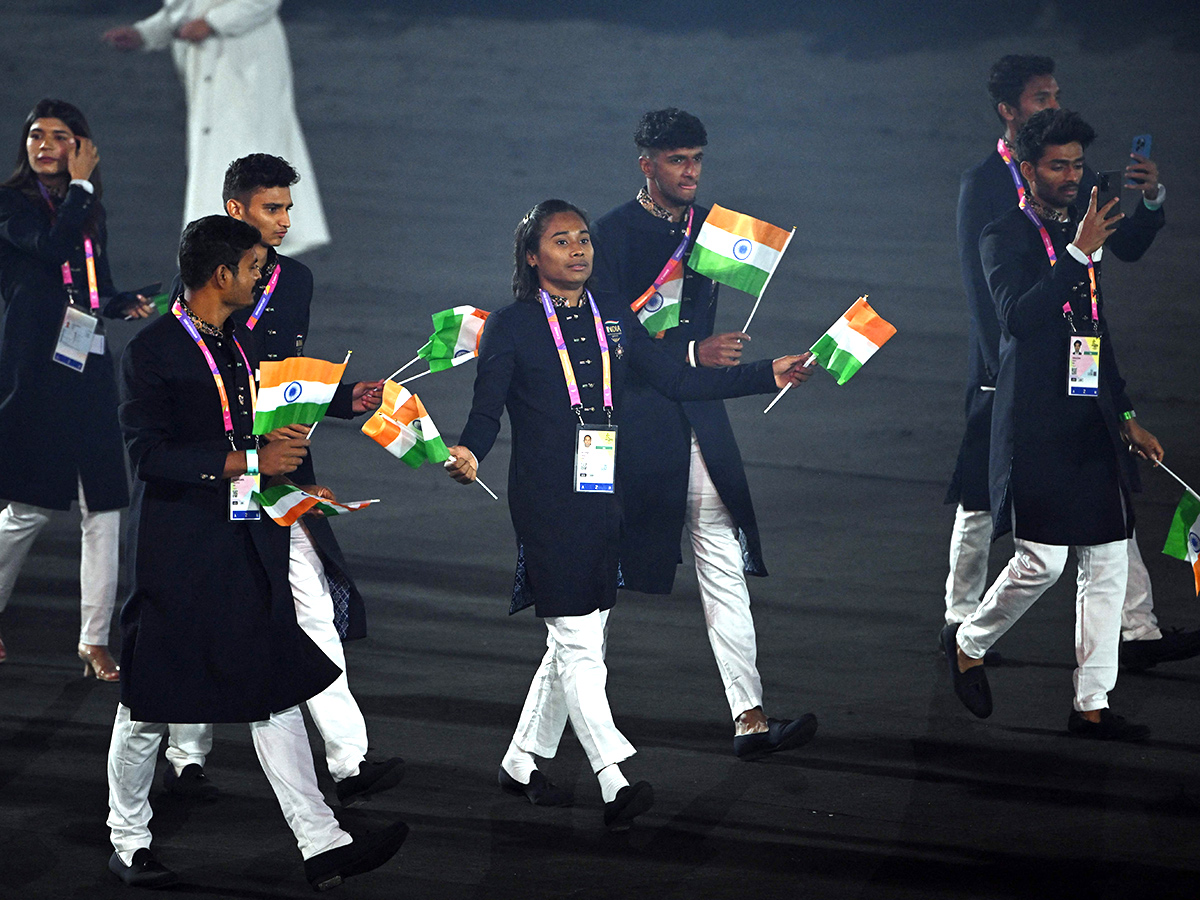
(59, 439)
(556, 335)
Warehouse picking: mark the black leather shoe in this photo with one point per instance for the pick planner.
(370, 851)
(1111, 727)
(540, 791)
(145, 871)
(991, 658)
(971, 686)
(372, 778)
(781, 734)
(190, 784)
(1174, 645)
(631, 801)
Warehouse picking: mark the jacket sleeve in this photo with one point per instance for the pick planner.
(974, 214)
(157, 31)
(497, 363)
(1134, 235)
(342, 404)
(31, 231)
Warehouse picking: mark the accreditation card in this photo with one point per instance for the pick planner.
(75, 338)
(595, 459)
(242, 505)
(1083, 365)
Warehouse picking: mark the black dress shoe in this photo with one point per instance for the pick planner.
(329, 869)
(144, 871)
(190, 784)
(1174, 645)
(372, 778)
(1111, 727)
(781, 734)
(971, 686)
(540, 791)
(631, 801)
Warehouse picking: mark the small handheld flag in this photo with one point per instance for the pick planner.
(286, 503)
(738, 250)
(297, 389)
(1183, 540)
(403, 427)
(852, 340)
(455, 338)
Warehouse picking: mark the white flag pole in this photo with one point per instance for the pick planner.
(779, 396)
(402, 368)
(746, 327)
(478, 480)
(1177, 478)
(314, 424)
(415, 377)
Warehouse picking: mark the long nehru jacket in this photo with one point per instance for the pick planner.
(1059, 461)
(568, 541)
(209, 631)
(57, 426)
(653, 456)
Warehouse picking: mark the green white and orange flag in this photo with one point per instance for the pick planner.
(738, 250)
(658, 307)
(285, 503)
(403, 427)
(455, 338)
(1183, 540)
(852, 340)
(297, 389)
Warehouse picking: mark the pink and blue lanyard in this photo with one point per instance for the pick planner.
(565, 359)
(265, 298)
(189, 326)
(89, 253)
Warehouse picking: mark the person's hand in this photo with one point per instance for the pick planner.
(123, 37)
(791, 370)
(289, 432)
(281, 457)
(1140, 441)
(82, 159)
(721, 349)
(197, 31)
(317, 490)
(1094, 228)
(141, 308)
(367, 396)
(461, 465)
(1142, 175)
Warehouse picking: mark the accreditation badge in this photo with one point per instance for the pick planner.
(1083, 365)
(595, 459)
(75, 338)
(242, 505)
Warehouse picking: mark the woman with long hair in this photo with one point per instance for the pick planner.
(556, 359)
(59, 439)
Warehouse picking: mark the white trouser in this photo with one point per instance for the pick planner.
(283, 752)
(1138, 622)
(1103, 569)
(570, 683)
(98, 565)
(334, 711)
(723, 591)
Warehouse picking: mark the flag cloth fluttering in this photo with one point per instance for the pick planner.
(738, 250)
(852, 340)
(1183, 540)
(285, 503)
(659, 309)
(403, 427)
(455, 338)
(297, 389)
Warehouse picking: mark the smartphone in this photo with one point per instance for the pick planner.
(1109, 185)
(1141, 145)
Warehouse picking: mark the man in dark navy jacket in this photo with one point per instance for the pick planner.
(1021, 86)
(679, 462)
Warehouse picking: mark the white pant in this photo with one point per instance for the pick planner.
(970, 543)
(570, 683)
(334, 711)
(283, 752)
(1103, 570)
(98, 565)
(723, 591)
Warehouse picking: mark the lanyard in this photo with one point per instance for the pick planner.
(265, 298)
(565, 359)
(177, 311)
(89, 253)
(1006, 155)
(669, 270)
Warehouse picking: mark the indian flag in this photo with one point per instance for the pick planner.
(403, 427)
(658, 308)
(852, 340)
(286, 503)
(294, 390)
(738, 250)
(455, 338)
(1183, 540)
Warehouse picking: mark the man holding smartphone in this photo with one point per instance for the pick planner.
(1021, 86)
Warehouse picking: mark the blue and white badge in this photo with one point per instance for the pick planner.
(595, 459)
(1083, 365)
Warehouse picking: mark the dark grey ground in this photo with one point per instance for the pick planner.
(433, 128)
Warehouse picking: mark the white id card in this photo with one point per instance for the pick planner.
(595, 459)
(75, 338)
(242, 505)
(1083, 365)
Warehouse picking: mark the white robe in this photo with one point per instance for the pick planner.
(239, 101)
